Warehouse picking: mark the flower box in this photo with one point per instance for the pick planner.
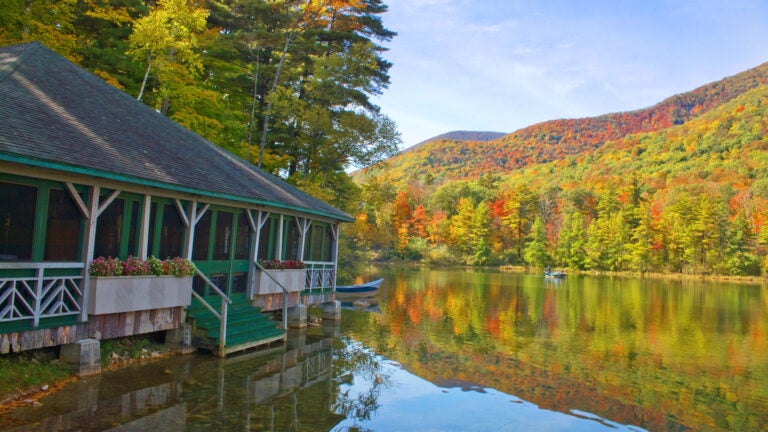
(293, 280)
(119, 294)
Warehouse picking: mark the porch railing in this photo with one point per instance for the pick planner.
(221, 315)
(37, 290)
(321, 275)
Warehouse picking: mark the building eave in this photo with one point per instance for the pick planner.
(47, 164)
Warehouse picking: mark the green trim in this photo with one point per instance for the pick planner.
(157, 184)
(41, 223)
(129, 201)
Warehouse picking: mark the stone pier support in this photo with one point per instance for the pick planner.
(332, 310)
(83, 356)
(180, 339)
(297, 316)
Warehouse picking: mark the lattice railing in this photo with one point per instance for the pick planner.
(39, 290)
(320, 275)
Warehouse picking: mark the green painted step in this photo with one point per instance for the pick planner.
(245, 323)
(244, 328)
(242, 339)
(210, 321)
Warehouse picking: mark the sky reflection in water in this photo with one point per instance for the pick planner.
(411, 403)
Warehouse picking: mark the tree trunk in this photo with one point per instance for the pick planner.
(146, 76)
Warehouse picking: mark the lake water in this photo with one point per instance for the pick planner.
(465, 350)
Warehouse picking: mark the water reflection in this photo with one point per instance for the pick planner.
(660, 354)
(464, 350)
(286, 388)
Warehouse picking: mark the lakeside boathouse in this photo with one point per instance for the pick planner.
(86, 171)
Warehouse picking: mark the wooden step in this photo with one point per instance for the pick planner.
(247, 326)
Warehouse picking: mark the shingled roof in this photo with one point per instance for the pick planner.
(55, 114)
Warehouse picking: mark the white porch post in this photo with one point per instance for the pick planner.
(303, 229)
(89, 238)
(280, 234)
(91, 213)
(144, 230)
(256, 226)
(190, 222)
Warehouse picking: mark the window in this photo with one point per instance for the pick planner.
(171, 234)
(133, 229)
(239, 283)
(62, 237)
(223, 236)
(321, 243)
(292, 239)
(316, 249)
(108, 230)
(328, 244)
(202, 238)
(266, 246)
(17, 221)
(243, 240)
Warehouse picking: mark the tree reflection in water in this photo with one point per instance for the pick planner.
(361, 377)
(475, 351)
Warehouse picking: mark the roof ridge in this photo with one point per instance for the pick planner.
(10, 67)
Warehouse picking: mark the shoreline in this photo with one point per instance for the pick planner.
(31, 395)
(644, 275)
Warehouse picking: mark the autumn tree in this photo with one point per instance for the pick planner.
(166, 41)
(461, 224)
(571, 247)
(48, 21)
(535, 252)
(520, 212)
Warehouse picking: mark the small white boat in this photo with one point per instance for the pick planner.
(368, 289)
(554, 274)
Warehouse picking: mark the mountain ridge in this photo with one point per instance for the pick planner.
(551, 140)
(460, 135)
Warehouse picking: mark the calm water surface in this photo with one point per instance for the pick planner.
(456, 350)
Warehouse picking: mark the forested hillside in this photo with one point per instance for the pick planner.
(284, 84)
(690, 197)
(460, 136)
(451, 158)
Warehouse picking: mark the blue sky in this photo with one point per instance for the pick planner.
(501, 65)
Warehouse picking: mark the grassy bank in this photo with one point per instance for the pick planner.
(29, 373)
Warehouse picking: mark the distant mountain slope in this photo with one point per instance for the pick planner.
(727, 146)
(462, 136)
(451, 158)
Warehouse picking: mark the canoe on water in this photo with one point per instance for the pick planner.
(368, 289)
